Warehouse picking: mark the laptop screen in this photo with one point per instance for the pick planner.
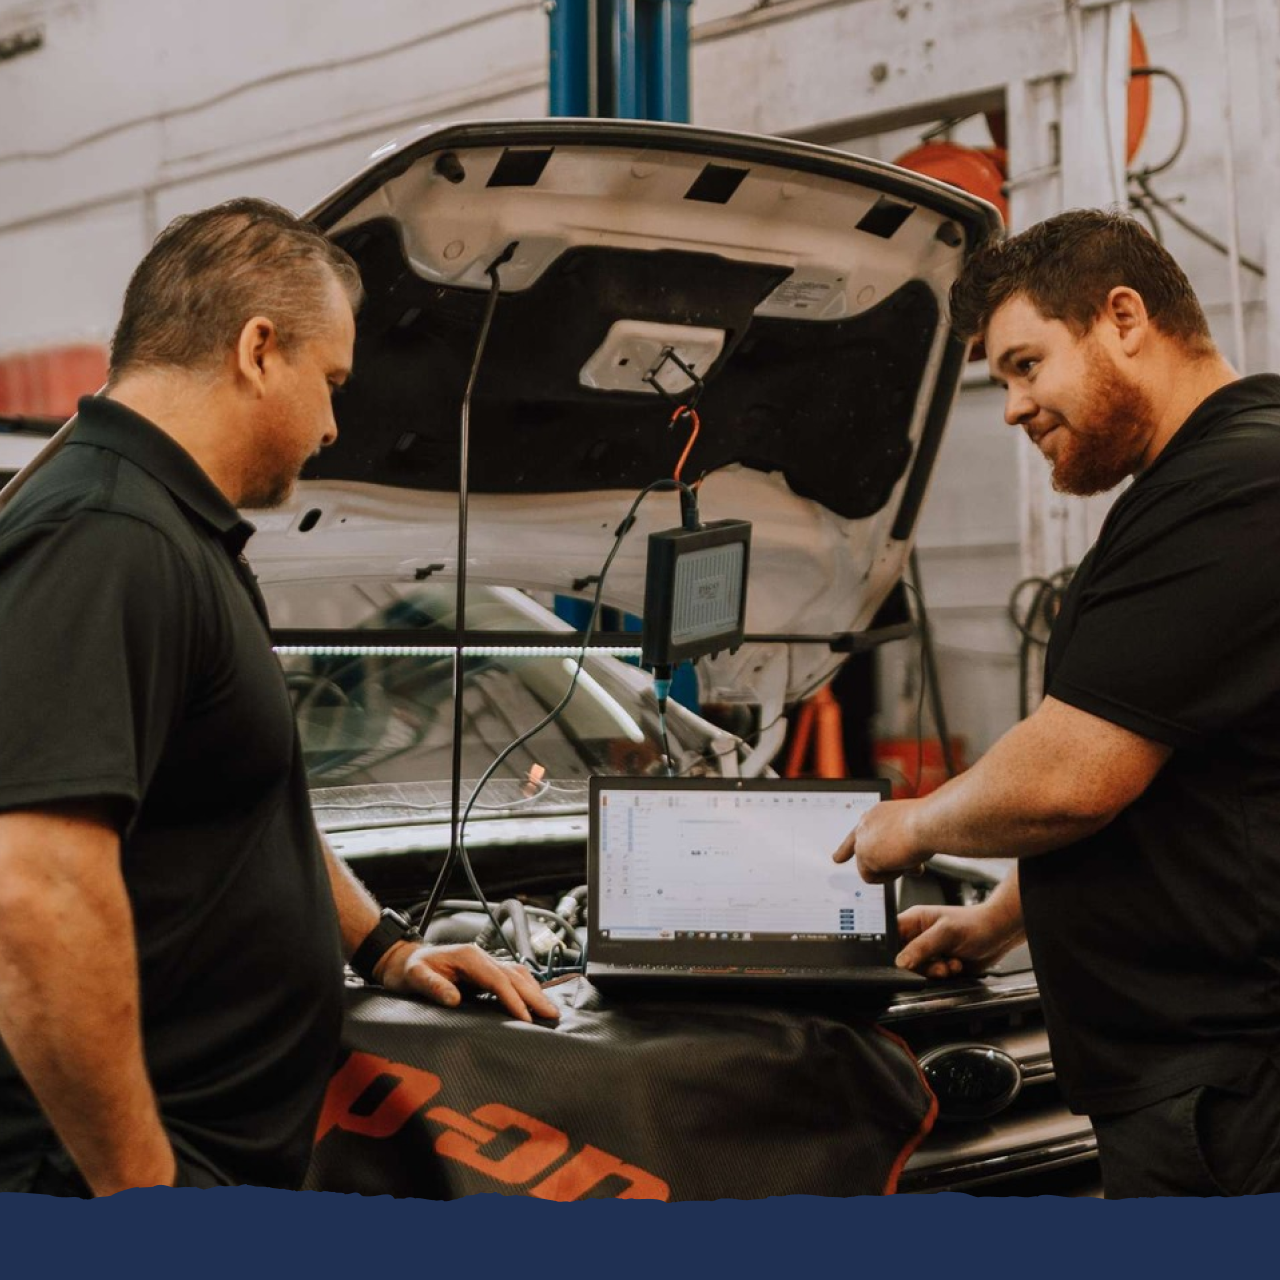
(733, 871)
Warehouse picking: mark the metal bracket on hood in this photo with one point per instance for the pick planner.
(686, 400)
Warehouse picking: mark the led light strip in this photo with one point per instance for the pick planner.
(445, 651)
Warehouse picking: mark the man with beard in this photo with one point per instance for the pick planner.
(172, 926)
(1141, 800)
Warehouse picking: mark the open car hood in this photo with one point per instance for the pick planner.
(806, 288)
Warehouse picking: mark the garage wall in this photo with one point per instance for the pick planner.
(136, 110)
(969, 531)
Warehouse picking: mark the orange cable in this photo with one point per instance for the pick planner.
(693, 435)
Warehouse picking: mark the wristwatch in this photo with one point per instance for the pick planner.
(391, 928)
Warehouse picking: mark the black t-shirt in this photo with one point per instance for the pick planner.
(1157, 940)
(136, 670)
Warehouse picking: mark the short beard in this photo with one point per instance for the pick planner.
(1106, 445)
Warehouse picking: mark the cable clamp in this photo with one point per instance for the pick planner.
(686, 402)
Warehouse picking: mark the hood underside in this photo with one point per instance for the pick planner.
(797, 293)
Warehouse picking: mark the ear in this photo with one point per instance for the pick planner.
(1126, 314)
(257, 345)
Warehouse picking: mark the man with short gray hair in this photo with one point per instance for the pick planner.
(172, 926)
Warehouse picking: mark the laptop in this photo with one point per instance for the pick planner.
(720, 886)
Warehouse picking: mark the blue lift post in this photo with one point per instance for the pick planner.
(570, 56)
(662, 42)
(629, 60)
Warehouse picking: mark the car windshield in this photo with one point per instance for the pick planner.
(375, 711)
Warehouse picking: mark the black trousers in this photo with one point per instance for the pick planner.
(1208, 1141)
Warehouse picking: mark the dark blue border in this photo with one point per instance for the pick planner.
(235, 1234)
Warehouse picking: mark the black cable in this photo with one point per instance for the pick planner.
(662, 674)
(460, 606)
(924, 683)
(1024, 621)
(943, 127)
(493, 935)
(1027, 639)
(621, 532)
(929, 664)
(666, 742)
(1143, 206)
(1184, 121)
(1192, 228)
(1147, 199)
(1034, 623)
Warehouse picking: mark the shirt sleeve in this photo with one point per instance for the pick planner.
(1177, 629)
(96, 633)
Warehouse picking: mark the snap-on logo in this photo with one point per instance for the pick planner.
(538, 1164)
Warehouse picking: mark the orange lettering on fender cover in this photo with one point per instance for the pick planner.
(589, 1168)
(542, 1146)
(465, 1136)
(414, 1088)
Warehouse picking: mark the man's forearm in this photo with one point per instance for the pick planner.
(436, 973)
(1055, 778)
(69, 1003)
(1052, 779)
(357, 908)
(1005, 901)
(982, 814)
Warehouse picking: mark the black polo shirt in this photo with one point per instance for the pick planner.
(136, 670)
(1157, 940)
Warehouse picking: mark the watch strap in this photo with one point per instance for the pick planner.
(391, 928)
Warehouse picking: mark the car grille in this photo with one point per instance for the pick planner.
(1033, 1132)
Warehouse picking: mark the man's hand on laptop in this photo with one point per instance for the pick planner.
(884, 843)
(941, 942)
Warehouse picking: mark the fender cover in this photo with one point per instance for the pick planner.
(674, 1100)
